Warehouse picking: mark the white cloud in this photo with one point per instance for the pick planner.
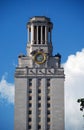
(6, 91)
(74, 89)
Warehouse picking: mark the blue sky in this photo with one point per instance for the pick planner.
(68, 39)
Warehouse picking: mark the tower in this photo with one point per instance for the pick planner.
(39, 81)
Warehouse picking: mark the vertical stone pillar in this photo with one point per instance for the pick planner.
(34, 104)
(57, 103)
(41, 34)
(46, 35)
(32, 34)
(44, 105)
(37, 34)
(28, 36)
(50, 36)
(21, 104)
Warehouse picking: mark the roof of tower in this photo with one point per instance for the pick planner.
(40, 19)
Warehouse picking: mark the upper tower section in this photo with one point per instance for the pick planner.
(39, 30)
(39, 35)
(39, 49)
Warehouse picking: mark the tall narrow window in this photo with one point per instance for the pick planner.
(39, 90)
(30, 97)
(39, 82)
(30, 82)
(39, 34)
(30, 90)
(30, 112)
(29, 119)
(35, 34)
(48, 82)
(29, 127)
(29, 34)
(43, 34)
(49, 35)
(39, 126)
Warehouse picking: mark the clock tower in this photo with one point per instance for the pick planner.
(39, 81)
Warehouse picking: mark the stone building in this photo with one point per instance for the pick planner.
(39, 81)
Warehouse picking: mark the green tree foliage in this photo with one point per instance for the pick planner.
(81, 101)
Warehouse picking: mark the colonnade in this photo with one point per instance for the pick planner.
(39, 34)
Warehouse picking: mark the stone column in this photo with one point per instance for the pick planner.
(37, 34)
(50, 36)
(46, 35)
(28, 35)
(34, 104)
(44, 105)
(32, 34)
(41, 34)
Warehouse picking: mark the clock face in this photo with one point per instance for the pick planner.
(40, 58)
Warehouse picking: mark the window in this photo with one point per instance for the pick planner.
(39, 97)
(39, 90)
(29, 119)
(48, 111)
(30, 82)
(39, 112)
(48, 119)
(48, 82)
(29, 126)
(39, 126)
(35, 34)
(48, 98)
(39, 104)
(30, 90)
(30, 104)
(39, 82)
(30, 112)
(48, 127)
(29, 34)
(39, 119)
(48, 104)
(49, 35)
(48, 91)
(30, 98)
(43, 34)
(39, 34)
